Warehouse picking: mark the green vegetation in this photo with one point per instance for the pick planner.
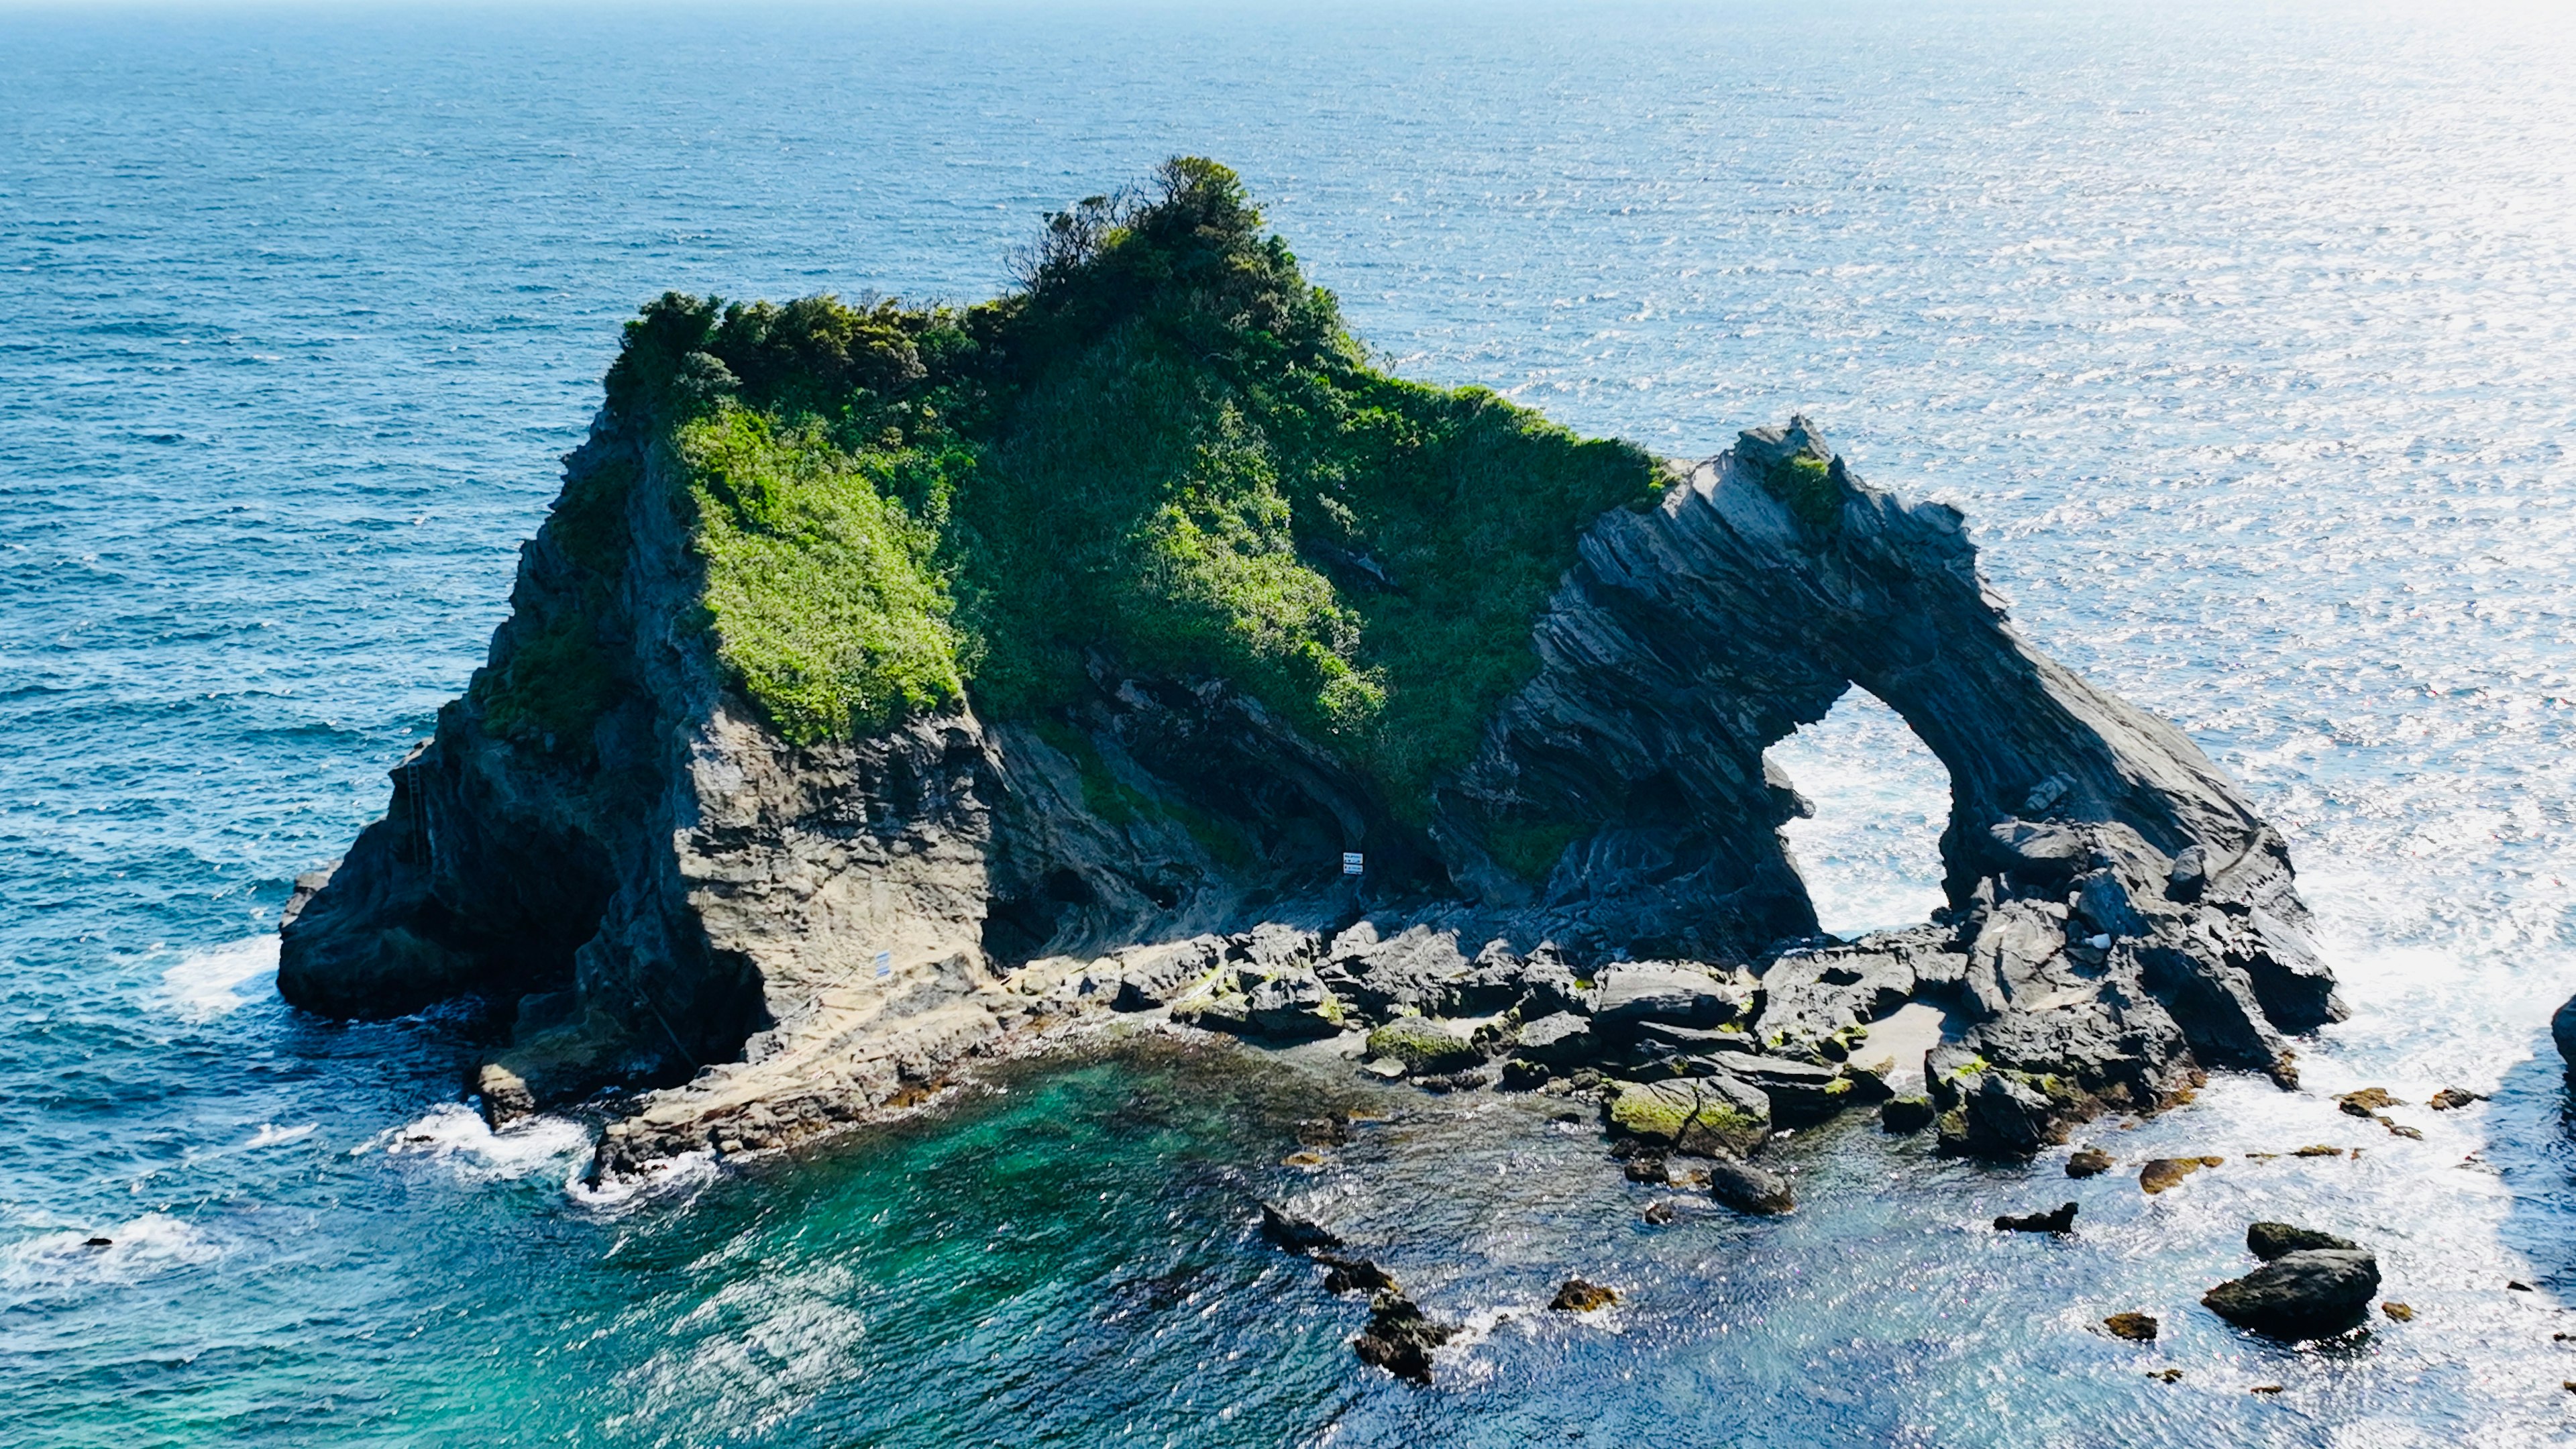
(827, 604)
(1805, 482)
(1162, 448)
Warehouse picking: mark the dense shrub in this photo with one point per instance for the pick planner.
(1162, 445)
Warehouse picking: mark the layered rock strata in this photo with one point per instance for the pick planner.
(774, 940)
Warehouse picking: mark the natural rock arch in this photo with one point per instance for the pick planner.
(1688, 640)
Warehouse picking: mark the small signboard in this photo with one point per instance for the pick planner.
(1350, 862)
(885, 964)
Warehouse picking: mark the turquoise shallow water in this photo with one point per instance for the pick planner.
(2245, 336)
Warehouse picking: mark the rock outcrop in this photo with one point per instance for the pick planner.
(775, 939)
(2307, 1293)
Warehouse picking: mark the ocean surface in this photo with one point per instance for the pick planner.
(2245, 335)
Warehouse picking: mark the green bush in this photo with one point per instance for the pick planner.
(821, 589)
(1163, 446)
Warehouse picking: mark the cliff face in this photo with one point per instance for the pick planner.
(663, 892)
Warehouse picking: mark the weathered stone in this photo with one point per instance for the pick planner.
(1711, 1116)
(2059, 1220)
(1683, 994)
(2268, 1241)
(1558, 1040)
(1355, 1275)
(505, 1096)
(1749, 1189)
(1400, 1338)
(1292, 1008)
(2164, 1172)
(2366, 1103)
(2135, 1327)
(1577, 1296)
(2088, 1162)
(2451, 1099)
(1801, 1093)
(2311, 1293)
(1906, 1115)
(1425, 1047)
(1296, 1234)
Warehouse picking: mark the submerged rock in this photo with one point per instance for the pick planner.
(2165, 1172)
(1355, 1275)
(2453, 1098)
(1294, 1233)
(2088, 1162)
(1399, 1338)
(2308, 1293)
(1749, 1189)
(1577, 1296)
(2059, 1220)
(2135, 1327)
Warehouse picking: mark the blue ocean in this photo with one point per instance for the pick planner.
(2243, 333)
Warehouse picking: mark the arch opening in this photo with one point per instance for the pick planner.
(1871, 853)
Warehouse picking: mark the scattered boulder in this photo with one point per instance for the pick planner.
(1424, 1046)
(1578, 1296)
(1682, 993)
(1659, 1212)
(1715, 1116)
(1296, 1234)
(2310, 1293)
(99, 1243)
(2367, 1102)
(2088, 1162)
(1400, 1337)
(2318, 1149)
(1905, 1115)
(2271, 1241)
(1324, 1132)
(1355, 1275)
(2452, 1098)
(506, 1098)
(1560, 1039)
(1650, 1167)
(2164, 1172)
(2135, 1327)
(1294, 1007)
(2059, 1220)
(2399, 1129)
(2398, 1312)
(1750, 1189)
(2562, 1029)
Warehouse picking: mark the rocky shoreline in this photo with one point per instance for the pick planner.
(776, 941)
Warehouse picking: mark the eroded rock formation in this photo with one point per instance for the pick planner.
(778, 939)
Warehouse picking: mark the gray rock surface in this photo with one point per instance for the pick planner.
(2311, 1293)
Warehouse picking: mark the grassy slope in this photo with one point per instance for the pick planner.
(1163, 446)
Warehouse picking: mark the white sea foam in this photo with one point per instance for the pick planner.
(207, 984)
(455, 1136)
(676, 1178)
(156, 1242)
(1871, 855)
(271, 1135)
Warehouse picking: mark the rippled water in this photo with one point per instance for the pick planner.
(2246, 337)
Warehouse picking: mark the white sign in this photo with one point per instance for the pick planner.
(1350, 862)
(885, 964)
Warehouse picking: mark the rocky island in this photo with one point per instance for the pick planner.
(890, 687)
